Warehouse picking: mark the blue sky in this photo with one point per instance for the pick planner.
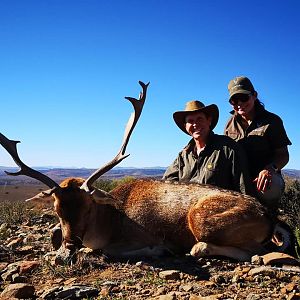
(67, 65)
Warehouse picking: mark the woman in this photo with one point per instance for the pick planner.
(263, 137)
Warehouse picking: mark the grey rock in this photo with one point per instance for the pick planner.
(9, 271)
(72, 292)
(16, 278)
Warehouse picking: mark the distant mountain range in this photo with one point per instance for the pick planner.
(295, 174)
(58, 174)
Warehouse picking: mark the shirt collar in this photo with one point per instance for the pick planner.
(191, 145)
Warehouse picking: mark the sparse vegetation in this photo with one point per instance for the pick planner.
(108, 185)
(290, 202)
(290, 205)
(14, 212)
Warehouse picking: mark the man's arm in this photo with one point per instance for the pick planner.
(172, 172)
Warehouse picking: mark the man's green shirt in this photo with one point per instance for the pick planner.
(222, 163)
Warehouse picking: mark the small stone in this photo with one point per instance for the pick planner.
(3, 227)
(169, 274)
(27, 267)
(252, 296)
(288, 288)
(186, 287)
(70, 281)
(257, 260)
(294, 296)
(104, 292)
(170, 296)
(14, 243)
(16, 278)
(235, 278)
(262, 270)
(3, 266)
(278, 258)
(9, 272)
(210, 297)
(25, 250)
(161, 290)
(218, 279)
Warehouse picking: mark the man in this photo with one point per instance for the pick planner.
(208, 158)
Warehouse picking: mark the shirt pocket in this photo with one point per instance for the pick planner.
(212, 171)
(260, 131)
(211, 167)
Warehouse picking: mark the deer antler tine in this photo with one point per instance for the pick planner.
(138, 106)
(11, 148)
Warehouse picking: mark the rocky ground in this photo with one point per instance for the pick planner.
(28, 272)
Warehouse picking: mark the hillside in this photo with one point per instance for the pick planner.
(295, 174)
(58, 174)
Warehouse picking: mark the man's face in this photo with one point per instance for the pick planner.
(198, 125)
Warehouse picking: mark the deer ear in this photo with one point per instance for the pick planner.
(42, 195)
(102, 197)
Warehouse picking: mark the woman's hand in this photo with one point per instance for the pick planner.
(264, 179)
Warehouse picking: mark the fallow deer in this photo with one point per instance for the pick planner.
(150, 217)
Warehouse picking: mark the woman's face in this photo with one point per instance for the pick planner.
(198, 125)
(243, 104)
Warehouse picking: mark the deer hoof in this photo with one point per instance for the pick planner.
(200, 249)
(56, 237)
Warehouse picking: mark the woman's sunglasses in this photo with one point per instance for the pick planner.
(234, 100)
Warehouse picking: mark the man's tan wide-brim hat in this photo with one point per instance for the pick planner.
(193, 107)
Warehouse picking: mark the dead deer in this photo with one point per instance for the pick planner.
(149, 217)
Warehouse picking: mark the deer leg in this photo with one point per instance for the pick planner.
(56, 236)
(136, 250)
(149, 251)
(202, 249)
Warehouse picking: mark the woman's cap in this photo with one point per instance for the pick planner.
(240, 85)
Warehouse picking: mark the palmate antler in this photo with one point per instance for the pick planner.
(138, 107)
(11, 148)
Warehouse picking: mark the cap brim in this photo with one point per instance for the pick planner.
(211, 110)
(240, 92)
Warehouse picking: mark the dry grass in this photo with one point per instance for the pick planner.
(15, 212)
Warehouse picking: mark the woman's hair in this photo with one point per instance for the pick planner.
(258, 103)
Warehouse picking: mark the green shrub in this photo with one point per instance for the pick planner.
(108, 185)
(126, 179)
(104, 184)
(290, 206)
(290, 202)
(297, 236)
